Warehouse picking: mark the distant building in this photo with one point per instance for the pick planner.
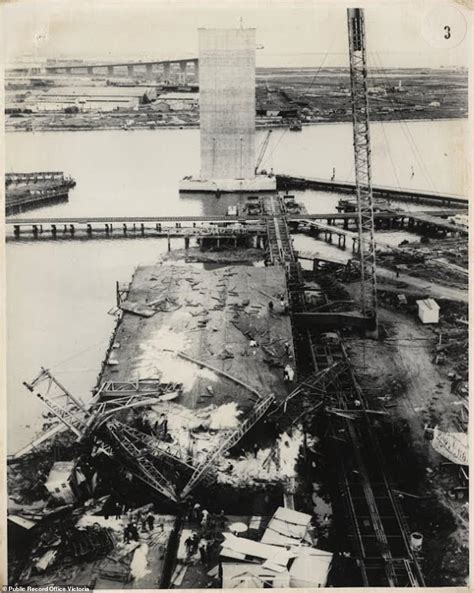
(275, 110)
(180, 101)
(161, 106)
(377, 91)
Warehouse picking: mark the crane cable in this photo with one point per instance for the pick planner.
(301, 94)
(404, 126)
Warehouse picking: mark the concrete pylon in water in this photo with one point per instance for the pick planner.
(227, 113)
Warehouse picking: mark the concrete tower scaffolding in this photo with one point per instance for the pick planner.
(361, 139)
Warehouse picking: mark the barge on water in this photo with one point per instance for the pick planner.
(28, 191)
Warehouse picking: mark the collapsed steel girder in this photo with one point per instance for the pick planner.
(137, 455)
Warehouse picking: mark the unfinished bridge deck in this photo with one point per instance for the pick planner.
(210, 316)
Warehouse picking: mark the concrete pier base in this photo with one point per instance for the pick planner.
(256, 184)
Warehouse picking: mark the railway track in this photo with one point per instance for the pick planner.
(373, 523)
(379, 535)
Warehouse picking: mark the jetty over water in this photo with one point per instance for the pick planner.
(287, 182)
(81, 227)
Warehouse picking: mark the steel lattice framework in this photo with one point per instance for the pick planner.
(60, 402)
(360, 118)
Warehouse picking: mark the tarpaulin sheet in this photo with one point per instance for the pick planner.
(452, 445)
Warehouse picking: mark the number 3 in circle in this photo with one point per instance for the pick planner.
(447, 34)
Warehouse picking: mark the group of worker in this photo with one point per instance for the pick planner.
(203, 539)
(144, 520)
(113, 508)
(203, 518)
(196, 543)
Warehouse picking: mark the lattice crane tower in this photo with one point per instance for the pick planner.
(360, 118)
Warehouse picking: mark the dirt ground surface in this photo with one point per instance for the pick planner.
(399, 376)
(409, 284)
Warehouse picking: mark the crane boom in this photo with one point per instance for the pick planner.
(362, 156)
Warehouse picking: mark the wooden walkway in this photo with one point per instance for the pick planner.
(285, 182)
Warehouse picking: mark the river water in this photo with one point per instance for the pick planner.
(58, 295)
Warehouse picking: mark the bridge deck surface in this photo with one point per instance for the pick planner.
(206, 316)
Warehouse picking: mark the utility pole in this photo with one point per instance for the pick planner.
(361, 139)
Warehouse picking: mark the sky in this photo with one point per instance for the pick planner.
(289, 33)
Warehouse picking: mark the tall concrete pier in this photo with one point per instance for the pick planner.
(227, 113)
(227, 103)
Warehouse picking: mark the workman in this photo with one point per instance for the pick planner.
(222, 519)
(161, 427)
(150, 521)
(205, 516)
(203, 551)
(189, 545)
(197, 513)
(288, 373)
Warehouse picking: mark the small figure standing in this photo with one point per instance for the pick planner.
(205, 516)
(222, 519)
(134, 531)
(203, 551)
(288, 374)
(150, 521)
(189, 545)
(197, 513)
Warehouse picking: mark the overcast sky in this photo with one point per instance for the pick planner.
(301, 33)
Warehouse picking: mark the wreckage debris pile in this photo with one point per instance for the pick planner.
(274, 464)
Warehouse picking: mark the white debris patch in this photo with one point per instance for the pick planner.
(250, 469)
(288, 450)
(197, 432)
(159, 358)
(211, 417)
(139, 565)
(88, 520)
(275, 464)
(225, 416)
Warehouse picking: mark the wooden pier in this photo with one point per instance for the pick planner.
(217, 226)
(26, 191)
(287, 182)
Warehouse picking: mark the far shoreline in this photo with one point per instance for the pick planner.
(192, 126)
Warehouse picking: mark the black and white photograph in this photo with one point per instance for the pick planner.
(235, 283)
